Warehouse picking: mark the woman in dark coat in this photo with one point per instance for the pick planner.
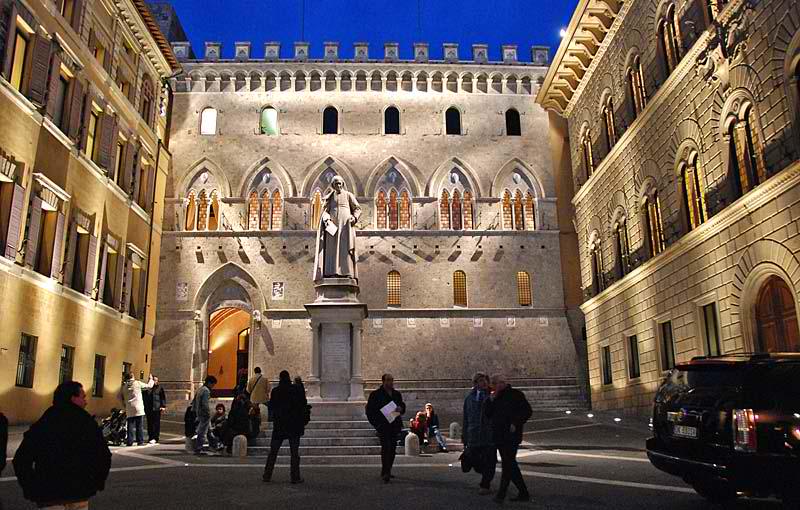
(287, 405)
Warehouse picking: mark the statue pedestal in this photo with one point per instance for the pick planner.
(337, 318)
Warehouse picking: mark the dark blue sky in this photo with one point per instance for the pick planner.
(494, 22)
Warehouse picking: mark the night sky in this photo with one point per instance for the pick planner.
(493, 22)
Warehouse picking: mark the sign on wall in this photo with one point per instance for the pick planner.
(278, 290)
(182, 291)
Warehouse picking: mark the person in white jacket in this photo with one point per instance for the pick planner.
(131, 394)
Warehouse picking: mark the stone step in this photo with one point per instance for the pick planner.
(262, 451)
(338, 424)
(365, 432)
(329, 441)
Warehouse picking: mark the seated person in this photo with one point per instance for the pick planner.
(419, 427)
(238, 422)
(433, 427)
(218, 421)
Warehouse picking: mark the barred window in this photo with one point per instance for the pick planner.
(393, 288)
(67, 363)
(27, 360)
(99, 375)
(524, 288)
(460, 288)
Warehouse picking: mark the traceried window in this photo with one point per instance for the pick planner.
(392, 210)
(693, 196)
(669, 43)
(524, 288)
(208, 122)
(391, 121)
(586, 154)
(518, 210)
(452, 120)
(513, 124)
(747, 159)
(654, 235)
(393, 288)
(264, 203)
(460, 288)
(608, 123)
(456, 204)
(269, 121)
(636, 91)
(330, 121)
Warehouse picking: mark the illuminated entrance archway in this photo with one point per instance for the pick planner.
(228, 348)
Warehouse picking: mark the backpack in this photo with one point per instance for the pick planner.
(189, 420)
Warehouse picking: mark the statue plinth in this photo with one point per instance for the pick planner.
(337, 318)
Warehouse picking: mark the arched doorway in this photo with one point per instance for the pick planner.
(228, 348)
(776, 317)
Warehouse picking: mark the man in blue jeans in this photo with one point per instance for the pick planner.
(203, 412)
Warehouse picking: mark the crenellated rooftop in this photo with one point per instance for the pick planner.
(540, 55)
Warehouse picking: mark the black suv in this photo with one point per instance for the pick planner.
(730, 426)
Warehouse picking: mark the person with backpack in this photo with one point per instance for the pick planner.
(258, 391)
(287, 404)
(202, 411)
(508, 409)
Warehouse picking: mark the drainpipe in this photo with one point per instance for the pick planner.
(150, 238)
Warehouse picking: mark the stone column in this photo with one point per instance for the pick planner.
(338, 84)
(312, 383)
(356, 379)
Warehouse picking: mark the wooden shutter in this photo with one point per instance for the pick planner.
(127, 286)
(40, 69)
(91, 265)
(87, 110)
(75, 110)
(108, 127)
(151, 180)
(11, 35)
(58, 245)
(52, 89)
(142, 309)
(112, 151)
(130, 152)
(77, 15)
(119, 283)
(69, 256)
(101, 281)
(15, 222)
(137, 176)
(34, 226)
(108, 58)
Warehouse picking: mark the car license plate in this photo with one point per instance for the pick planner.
(684, 431)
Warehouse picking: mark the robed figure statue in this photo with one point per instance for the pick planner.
(336, 234)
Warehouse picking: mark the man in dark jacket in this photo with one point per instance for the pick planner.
(287, 404)
(63, 457)
(477, 432)
(508, 410)
(155, 402)
(387, 430)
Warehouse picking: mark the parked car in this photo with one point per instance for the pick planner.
(730, 426)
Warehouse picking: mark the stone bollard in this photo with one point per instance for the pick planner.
(412, 445)
(455, 431)
(189, 445)
(239, 446)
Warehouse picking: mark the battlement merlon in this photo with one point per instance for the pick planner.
(540, 55)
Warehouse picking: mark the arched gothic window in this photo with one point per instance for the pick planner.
(330, 121)
(264, 203)
(636, 91)
(608, 123)
(456, 211)
(524, 288)
(444, 211)
(213, 212)
(668, 40)
(459, 288)
(586, 154)
(513, 123)
(452, 119)
(253, 206)
(266, 211)
(456, 204)
(623, 247)
(519, 211)
(269, 121)
(391, 121)
(405, 210)
(380, 211)
(596, 258)
(654, 234)
(208, 122)
(277, 210)
(693, 196)
(394, 213)
(191, 212)
(747, 158)
(202, 210)
(508, 211)
(393, 288)
(468, 208)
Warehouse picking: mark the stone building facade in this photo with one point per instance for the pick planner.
(83, 169)
(682, 122)
(460, 242)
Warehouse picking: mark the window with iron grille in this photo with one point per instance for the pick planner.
(460, 288)
(606, 365)
(27, 360)
(634, 367)
(67, 363)
(667, 347)
(524, 288)
(393, 288)
(99, 375)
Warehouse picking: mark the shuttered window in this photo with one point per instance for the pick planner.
(19, 63)
(460, 288)
(524, 288)
(91, 137)
(26, 363)
(393, 288)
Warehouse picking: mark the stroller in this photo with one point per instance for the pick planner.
(115, 427)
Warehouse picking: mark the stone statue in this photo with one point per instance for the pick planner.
(336, 234)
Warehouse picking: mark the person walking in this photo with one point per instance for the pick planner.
(433, 428)
(131, 394)
(258, 390)
(63, 459)
(155, 402)
(388, 425)
(287, 404)
(508, 410)
(202, 411)
(477, 432)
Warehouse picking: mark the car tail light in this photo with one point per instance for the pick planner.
(744, 428)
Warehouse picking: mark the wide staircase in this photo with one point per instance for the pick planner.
(338, 433)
